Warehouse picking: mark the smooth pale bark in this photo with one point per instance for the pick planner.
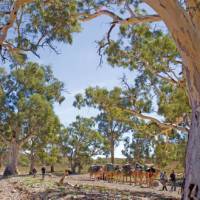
(11, 167)
(185, 30)
(187, 38)
(192, 171)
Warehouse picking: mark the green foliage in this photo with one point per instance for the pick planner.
(140, 146)
(110, 121)
(28, 94)
(80, 141)
(159, 86)
(152, 55)
(140, 46)
(173, 103)
(44, 146)
(170, 149)
(23, 161)
(39, 24)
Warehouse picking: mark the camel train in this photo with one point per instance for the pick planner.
(136, 174)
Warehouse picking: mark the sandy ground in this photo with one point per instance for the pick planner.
(76, 187)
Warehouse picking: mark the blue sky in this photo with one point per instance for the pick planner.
(77, 66)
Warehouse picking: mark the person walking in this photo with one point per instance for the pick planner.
(163, 180)
(43, 169)
(173, 181)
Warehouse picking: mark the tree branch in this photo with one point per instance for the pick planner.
(168, 10)
(87, 17)
(118, 20)
(25, 139)
(145, 117)
(158, 122)
(13, 15)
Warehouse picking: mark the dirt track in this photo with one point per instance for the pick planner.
(76, 187)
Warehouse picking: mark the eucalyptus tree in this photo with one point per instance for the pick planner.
(52, 146)
(182, 21)
(44, 145)
(157, 87)
(181, 17)
(140, 146)
(26, 104)
(35, 24)
(110, 122)
(112, 130)
(80, 142)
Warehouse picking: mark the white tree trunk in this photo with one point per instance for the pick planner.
(187, 37)
(192, 185)
(192, 170)
(11, 167)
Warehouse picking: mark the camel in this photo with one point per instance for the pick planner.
(127, 172)
(142, 176)
(138, 176)
(150, 176)
(117, 173)
(108, 176)
(112, 172)
(96, 172)
(109, 172)
(135, 175)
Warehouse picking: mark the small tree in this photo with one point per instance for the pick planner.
(80, 142)
(46, 141)
(110, 122)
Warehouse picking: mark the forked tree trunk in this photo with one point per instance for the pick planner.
(11, 167)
